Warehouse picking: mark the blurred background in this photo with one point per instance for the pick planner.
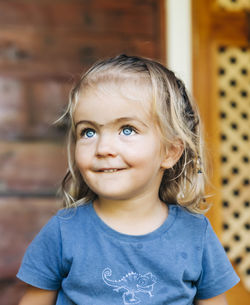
(44, 47)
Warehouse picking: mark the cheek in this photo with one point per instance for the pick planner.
(81, 157)
(145, 156)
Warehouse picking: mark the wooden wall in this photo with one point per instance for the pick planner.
(44, 46)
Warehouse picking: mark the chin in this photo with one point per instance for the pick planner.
(114, 196)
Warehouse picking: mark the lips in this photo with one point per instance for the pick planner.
(109, 170)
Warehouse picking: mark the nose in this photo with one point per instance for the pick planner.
(106, 146)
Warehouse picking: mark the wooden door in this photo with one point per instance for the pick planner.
(221, 65)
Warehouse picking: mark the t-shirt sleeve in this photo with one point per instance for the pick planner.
(42, 264)
(217, 274)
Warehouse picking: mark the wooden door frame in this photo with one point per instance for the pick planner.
(212, 28)
(202, 91)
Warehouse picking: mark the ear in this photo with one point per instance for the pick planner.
(172, 154)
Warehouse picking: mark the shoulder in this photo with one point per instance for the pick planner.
(190, 220)
(63, 221)
(73, 218)
(189, 227)
(73, 214)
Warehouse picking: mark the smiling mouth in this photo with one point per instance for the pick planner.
(110, 170)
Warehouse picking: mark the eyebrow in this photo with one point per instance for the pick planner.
(119, 120)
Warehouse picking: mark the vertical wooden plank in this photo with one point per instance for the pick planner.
(203, 93)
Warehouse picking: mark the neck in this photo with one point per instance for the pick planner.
(138, 216)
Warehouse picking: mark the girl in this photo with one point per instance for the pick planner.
(133, 230)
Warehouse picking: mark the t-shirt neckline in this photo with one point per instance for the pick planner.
(100, 224)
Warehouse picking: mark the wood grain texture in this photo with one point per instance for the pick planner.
(30, 108)
(58, 39)
(31, 167)
(20, 221)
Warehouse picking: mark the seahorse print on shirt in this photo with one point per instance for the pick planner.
(132, 283)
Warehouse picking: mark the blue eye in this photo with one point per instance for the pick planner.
(88, 133)
(127, 131)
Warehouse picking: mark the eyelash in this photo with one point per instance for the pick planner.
(129, 127)
(84, 131)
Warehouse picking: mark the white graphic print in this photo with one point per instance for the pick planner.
(132, 283)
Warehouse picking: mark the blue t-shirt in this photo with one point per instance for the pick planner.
(89, 263)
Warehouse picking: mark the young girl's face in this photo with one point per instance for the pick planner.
(118, 147)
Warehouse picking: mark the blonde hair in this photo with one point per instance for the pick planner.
(176, 115)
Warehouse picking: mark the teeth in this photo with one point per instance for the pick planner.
(110, 170)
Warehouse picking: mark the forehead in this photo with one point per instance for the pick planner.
(128, 86)
(125, 98)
